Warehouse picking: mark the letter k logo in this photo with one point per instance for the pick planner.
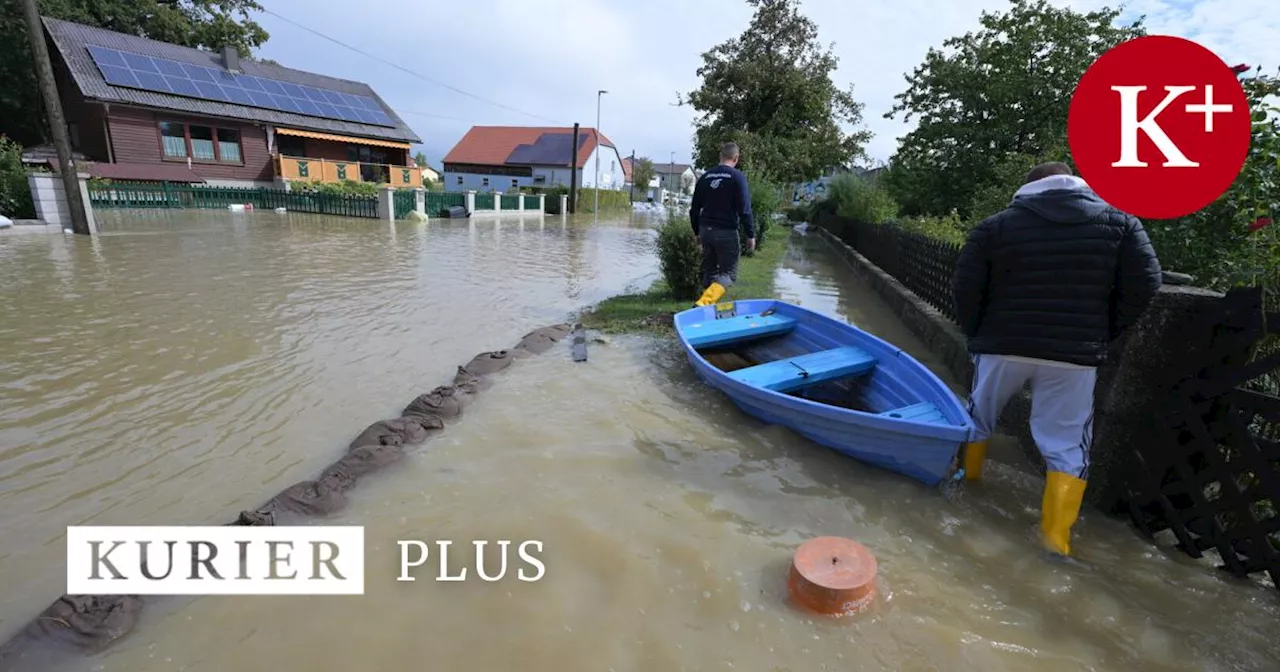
(1159, 127)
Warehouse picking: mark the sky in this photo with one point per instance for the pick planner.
(527, 63)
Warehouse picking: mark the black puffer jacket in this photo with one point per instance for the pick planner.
(1057, 275)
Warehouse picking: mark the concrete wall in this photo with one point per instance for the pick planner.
(1129, 397)
(50, 199)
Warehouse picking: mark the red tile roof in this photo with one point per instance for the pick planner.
(626, 167)
(491, 145)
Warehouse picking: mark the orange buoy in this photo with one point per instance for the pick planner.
(832, 576)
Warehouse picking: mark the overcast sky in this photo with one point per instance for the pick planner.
(548, 58)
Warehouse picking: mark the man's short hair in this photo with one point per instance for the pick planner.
(1048, 169)
(729, 150)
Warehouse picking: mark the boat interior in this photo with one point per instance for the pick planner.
(768, 351)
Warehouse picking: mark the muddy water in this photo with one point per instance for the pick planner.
(178, 372)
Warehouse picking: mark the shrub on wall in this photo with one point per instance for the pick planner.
(344, 188)
(680, 258)
(859, 200)
(15, 192)
(609, 200)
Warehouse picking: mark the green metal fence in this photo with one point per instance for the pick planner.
(511, 201)
(484, 202)
(168, 195)
(403, 201)
(531, 203)
(439, 200)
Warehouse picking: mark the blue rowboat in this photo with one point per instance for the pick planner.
(830, 382)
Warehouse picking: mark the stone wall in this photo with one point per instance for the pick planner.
(1130, 396)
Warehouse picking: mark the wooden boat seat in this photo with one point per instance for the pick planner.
(740, 328)
(921, 412)
(787, 375)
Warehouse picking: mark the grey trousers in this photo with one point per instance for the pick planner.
(1061, 406)
(720, 252)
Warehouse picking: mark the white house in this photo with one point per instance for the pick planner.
(506, 158)
(677, 177)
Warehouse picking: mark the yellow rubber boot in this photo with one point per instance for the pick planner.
(712, 294)
(975, 454)
(1063, 494)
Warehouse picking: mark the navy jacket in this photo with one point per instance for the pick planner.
(1057, 275)
(721, 200)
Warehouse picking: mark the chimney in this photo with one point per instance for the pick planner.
(231, 58)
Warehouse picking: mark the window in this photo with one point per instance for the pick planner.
(200, 143)
(515, 184)
(291, 145)
(229, 145)
(484, 182)
(174, 138)
(459, 179)
(613, 166)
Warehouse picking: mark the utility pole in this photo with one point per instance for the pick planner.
(57, 123)
(573, 173)
(596, 191)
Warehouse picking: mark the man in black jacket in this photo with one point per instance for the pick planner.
(721, 201)
(1041, 289)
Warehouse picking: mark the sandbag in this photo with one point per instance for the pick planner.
(470, 380)
(486, 363)
(541, 340)
(309, 498)
(343, 474)
(403, 431)
(446, 401)
(255, 519)
(87, 622)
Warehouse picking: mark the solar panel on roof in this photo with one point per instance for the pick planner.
(137, 71)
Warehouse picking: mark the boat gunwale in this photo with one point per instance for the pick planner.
(958, 432)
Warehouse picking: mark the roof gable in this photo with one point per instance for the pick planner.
(524, 145)
(71, 40)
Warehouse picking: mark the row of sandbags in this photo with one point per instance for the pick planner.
(91, 623)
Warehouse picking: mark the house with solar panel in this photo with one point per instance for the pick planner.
(506, 158)
(143, 110)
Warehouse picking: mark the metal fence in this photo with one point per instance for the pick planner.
(925, 265)
(511, 201)
(168, 195)
(403, 203)
(484, 202)
(439, 200)
(531, 202)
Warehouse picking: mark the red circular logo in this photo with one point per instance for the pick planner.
(1159, 127)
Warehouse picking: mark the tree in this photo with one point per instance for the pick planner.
(642, 172)
(421, 159)
(192, 23)
(987, 95)
(770, 90)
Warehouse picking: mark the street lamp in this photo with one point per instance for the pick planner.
(599, 94)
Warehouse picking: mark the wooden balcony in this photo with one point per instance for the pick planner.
(303, 169)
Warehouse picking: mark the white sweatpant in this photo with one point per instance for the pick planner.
(1061, 406)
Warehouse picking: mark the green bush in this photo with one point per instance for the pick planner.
(15, 192)
(799, 213)
(766, 199)
(948, 227)
(680, 258)
(609, 200)
(344, 188)
(859, 200)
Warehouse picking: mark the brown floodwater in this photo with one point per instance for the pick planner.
(187, 365)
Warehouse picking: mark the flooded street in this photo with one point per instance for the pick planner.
(188, 365)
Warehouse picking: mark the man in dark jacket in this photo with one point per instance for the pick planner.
(721, 203)
(1041, 290)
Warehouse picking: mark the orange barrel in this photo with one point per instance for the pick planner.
(832, 576)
